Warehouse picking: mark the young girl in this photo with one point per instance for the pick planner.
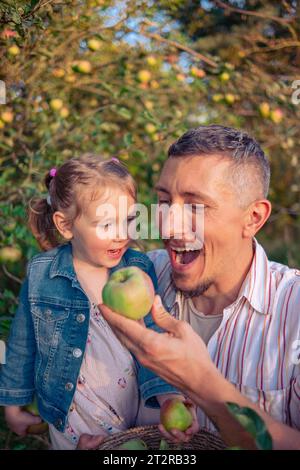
(61, 349)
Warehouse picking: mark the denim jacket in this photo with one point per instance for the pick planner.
(49, 333)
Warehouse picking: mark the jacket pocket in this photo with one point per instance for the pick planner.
(48, 322)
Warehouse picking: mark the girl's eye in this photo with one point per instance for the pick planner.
(105, 226)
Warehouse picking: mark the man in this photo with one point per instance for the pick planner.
(244, 307)
(180, 357)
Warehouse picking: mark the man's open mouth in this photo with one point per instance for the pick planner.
(182, 257)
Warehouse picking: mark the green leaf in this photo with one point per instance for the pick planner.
(124, 113)
(128, 139)
(163, 445)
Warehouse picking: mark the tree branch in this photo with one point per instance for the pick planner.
(177, 45)
(225, 6)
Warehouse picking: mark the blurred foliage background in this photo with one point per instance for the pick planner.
(126, 78)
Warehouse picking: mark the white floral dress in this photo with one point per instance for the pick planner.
(106, 399)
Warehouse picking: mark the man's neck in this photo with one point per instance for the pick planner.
(225, 291)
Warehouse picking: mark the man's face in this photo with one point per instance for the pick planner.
(202, 180)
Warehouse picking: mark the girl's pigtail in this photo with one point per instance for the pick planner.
(41, 219)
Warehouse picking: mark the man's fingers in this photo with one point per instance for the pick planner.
(162, 318)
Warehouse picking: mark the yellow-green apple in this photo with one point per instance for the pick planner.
(197, 73)
(224, 77)
(151, 60)
(14, 50)
(264, 109)
(7, 117)
(144, 76)
(10, 254)
(276, 115)
(133, 444)
(56, 104)
(39, 428)
(64, 112)
(82, 66)
(129, 292)
(94, 44)
(175, 415)
(217, 97)
(229, 98)
(150, 128)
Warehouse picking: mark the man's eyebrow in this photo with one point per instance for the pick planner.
(161, 188)
(196, 194)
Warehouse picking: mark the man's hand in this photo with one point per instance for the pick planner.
(89, 442)
(18, 420)
(179, 355)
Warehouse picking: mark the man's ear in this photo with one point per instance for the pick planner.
(256, 216)
(62, 225)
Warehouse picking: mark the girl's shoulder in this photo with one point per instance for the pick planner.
(133, 257)
(45, 259)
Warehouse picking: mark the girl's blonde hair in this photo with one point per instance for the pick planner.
(66, 193)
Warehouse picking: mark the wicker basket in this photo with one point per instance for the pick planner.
(203, 440)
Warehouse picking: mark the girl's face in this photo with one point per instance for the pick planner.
(100, 235)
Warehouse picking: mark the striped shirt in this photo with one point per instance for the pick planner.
(257, 345)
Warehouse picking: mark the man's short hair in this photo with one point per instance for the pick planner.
(233, 144)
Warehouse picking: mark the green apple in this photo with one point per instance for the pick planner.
(39, 428)
(133, 444)
(129, 292)
(175, 415)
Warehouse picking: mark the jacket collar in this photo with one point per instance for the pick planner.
(62, 264)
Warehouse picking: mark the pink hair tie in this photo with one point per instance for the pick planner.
(53, 172)
(115, 160)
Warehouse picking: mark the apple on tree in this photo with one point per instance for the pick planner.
(129, 292)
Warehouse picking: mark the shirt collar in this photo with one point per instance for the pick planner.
(256, 286)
